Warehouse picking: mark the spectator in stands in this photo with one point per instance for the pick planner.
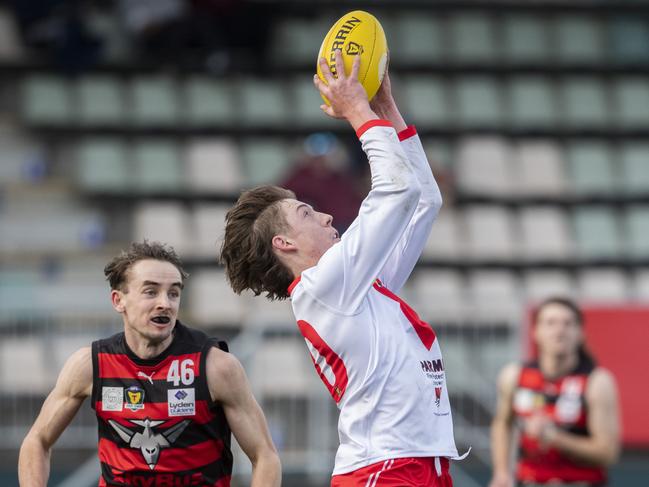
(564, 405)
(380, 362)
(324, 179)
(166, 396)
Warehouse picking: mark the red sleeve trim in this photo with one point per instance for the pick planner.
(408, 132)
(294, 283)
(376, 122)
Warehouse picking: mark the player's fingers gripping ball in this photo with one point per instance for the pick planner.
(357, 33)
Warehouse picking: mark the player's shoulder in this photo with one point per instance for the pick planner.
(222, 365)
(509, 375)
(601, 381)
(77, 374)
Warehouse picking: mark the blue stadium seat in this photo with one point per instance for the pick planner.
(526, 39)
(103, 165)
(154, 101)
(590, 168)
(158, 166)
(472, 38)
(579, 39)
(426, 100)
(584, 102)
(480, 102)
(101, 100)
(46, 100)
(635, 167)
(597, 234)
(208, 101)
(533, 102)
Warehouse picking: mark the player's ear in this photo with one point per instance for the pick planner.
(117, 300)
(281, 242)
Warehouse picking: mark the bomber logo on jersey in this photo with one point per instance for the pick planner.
(134, 398)
(148, 441)
(112, 398)
(181, 402)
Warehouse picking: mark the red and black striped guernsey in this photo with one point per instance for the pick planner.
(564, 401)
(158, 426)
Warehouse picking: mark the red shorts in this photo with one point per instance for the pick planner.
(399, 472)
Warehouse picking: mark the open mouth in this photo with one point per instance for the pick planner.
(161, 320)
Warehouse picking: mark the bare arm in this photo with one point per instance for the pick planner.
(229, 386)
(602, 446)
(72, 387)
(502, 426)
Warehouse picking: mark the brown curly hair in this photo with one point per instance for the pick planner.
(116, 271)
(247, 250)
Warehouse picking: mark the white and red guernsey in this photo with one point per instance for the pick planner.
(381, 363)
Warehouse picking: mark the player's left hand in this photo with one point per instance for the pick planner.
(383, 99)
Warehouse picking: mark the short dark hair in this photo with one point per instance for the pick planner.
(247, 249)
(116, 271)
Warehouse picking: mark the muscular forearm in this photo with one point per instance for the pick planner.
(33, 464)
(266, 471)
(585, 449)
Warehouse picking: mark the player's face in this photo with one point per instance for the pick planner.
(150, 300)
(557, 330)
(310, 231)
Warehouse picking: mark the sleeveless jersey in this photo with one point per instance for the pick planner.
(158, 426)
(563, 400)
(379, 361)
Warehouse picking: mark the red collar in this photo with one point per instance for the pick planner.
(294, 283)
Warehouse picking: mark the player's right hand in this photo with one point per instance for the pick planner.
(346, 95)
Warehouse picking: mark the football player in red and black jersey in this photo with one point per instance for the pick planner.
(564, 406)
(167, 397)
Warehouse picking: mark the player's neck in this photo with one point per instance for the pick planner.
(555, 366)
(143, 347)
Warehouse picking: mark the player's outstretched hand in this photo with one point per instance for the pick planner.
(346, 95)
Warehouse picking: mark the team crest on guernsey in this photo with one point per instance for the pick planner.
(134, 398)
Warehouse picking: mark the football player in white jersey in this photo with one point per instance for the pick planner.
(379, 361)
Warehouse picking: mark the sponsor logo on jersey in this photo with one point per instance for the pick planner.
(438, 395)
(432, 365)
(181, 402)
(149, 441)
(160, 480)
(146, 376)
(112, 398)
(134, 398)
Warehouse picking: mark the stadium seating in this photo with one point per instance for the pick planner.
(101, 101)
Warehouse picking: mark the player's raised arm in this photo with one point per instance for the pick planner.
(73, 386)
(345, 273)
(229, 386)
(406, 254)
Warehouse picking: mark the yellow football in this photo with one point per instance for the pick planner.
(357, 33)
